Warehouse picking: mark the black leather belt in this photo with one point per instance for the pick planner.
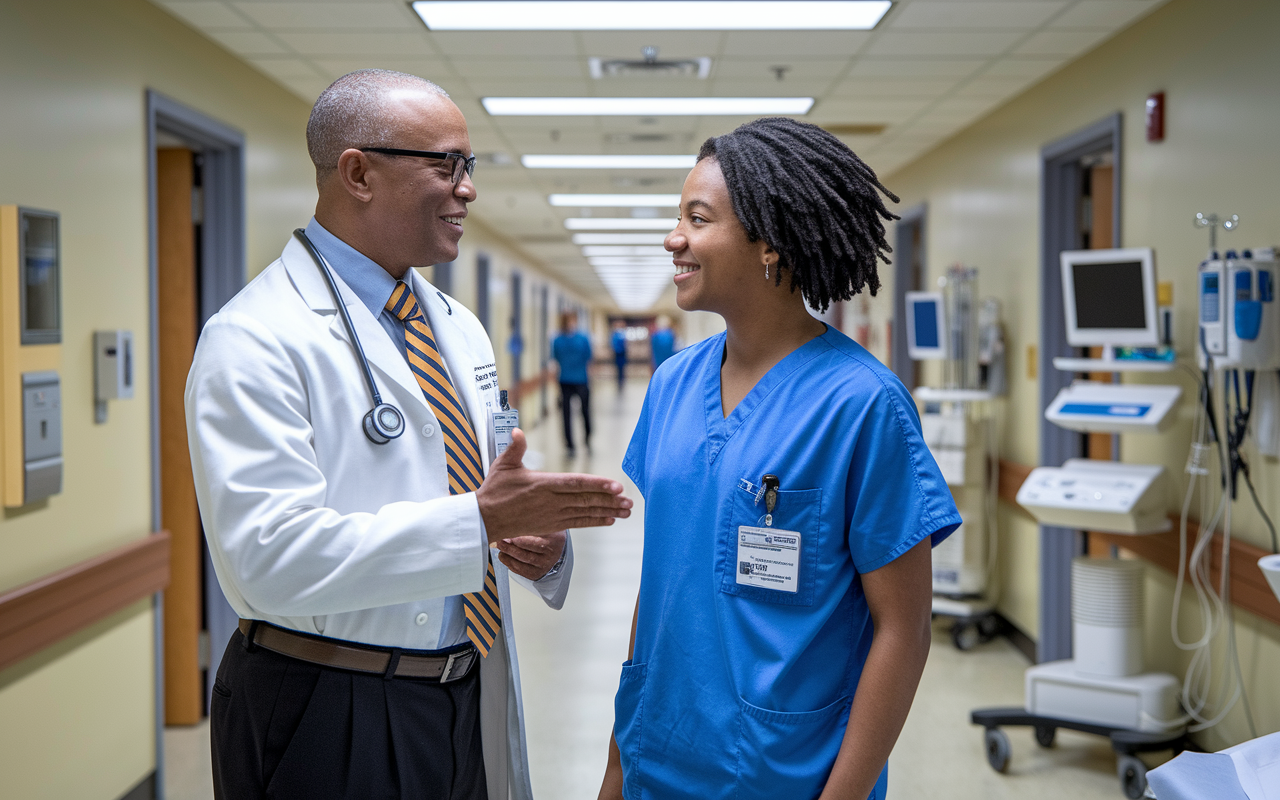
(390, 662)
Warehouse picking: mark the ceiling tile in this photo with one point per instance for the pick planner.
(891, 87)
(207, 15)
(247, 43)
(995, 86)
(941, 44)
(520, 68)
(1061, 43)
(554, 44)
(873, 110)
(323, 16)
(915, 68)
(284, 69)
(429, 68)
(306, 88)
(1025, 15)
(769, 88)
(361, 43)
(774, 45)
(761, 69)
(1114, 14)
(563, 87)
(1024, 67)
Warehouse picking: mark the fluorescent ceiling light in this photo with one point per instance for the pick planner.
(644, 106)
(620, 224)
(608, 162)
(651, 15)
(619, 238)
(631, 261)
(616, 200)
(625, 250)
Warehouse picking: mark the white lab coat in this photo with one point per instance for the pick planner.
(313, 527)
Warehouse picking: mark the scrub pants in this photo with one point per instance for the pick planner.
(285, 728)
(583, 392)
(621, 360)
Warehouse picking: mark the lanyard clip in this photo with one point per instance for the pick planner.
(770, 485)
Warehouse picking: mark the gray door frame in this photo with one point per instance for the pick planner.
(222, 275)
(1059, 230)
(906, 278)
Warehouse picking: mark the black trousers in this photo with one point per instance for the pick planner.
(583, 392)
(285, 728)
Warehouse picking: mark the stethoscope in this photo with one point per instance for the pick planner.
(384, 421)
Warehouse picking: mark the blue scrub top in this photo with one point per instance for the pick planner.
(743, 692)
(572, 351)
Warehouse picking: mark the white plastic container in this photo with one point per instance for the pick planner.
(1107, 597)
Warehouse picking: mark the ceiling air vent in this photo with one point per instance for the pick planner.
(650, 67)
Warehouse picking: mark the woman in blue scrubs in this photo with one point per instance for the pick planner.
(790, 502)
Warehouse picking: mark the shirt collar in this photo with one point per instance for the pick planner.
(371, 283)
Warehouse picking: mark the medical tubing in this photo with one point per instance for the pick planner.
(342, 310)
(1275, 547)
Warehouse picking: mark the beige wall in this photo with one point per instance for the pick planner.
(1216, 64)
(77, 720)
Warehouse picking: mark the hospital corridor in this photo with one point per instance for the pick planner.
(639, 400)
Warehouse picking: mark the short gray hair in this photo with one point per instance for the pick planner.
(351, 113)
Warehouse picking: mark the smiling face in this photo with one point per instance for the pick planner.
(717, 267)
(410, 201)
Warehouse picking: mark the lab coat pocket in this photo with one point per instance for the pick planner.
(799, 511)
(628, 710)
(788, 754)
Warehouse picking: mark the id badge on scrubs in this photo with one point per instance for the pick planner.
(504, 422)
(769, 558)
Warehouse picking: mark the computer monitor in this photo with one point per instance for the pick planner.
(926, 326)
(1110, 297)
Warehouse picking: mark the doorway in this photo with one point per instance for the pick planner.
(197, 263)
(908, 276)
(1079, 209)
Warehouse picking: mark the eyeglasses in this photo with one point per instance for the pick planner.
(460, 163)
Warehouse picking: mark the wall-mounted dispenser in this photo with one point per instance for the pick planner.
(30, 354)
(112, 370)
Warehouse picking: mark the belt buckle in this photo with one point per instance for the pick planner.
(448, 667)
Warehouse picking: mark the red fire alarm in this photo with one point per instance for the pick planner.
(1155, 117)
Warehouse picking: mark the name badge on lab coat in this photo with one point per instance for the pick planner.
(768, 558)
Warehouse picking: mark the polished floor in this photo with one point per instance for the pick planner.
(570, 661)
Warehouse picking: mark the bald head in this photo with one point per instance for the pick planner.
(357, 110)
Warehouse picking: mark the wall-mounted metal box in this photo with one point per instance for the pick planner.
(41, 435)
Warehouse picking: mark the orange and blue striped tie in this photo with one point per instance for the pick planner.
(462, 454)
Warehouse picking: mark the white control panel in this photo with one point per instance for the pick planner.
(1114, 407)
(1093, 495)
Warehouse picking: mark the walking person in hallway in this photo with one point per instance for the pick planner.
(790, 502)
(375, 655)
(618, 340)
(572, 352)
(662, 343)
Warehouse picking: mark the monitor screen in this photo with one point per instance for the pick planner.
(926, 319)
(1109, 296)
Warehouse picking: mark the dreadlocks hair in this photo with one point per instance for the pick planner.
(803, 191)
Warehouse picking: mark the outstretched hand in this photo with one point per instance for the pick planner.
(516, 502)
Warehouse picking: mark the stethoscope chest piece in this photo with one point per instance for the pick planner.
(383, 423)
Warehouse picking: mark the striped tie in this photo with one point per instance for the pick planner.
(462, 455)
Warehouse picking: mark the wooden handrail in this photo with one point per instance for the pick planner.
(49, 609)
(1249, 588)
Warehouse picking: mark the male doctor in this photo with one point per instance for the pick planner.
(375, 656)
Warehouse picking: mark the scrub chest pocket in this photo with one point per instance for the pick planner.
(796, 512)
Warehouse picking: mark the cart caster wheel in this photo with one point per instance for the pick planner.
(988, 627)
(998, 749)
(1045, 735)
(964, 635)
(1133, 776)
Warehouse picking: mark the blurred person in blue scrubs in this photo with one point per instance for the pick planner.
(572, 352)
(790, 502)
(663, 341)
(618, 340)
